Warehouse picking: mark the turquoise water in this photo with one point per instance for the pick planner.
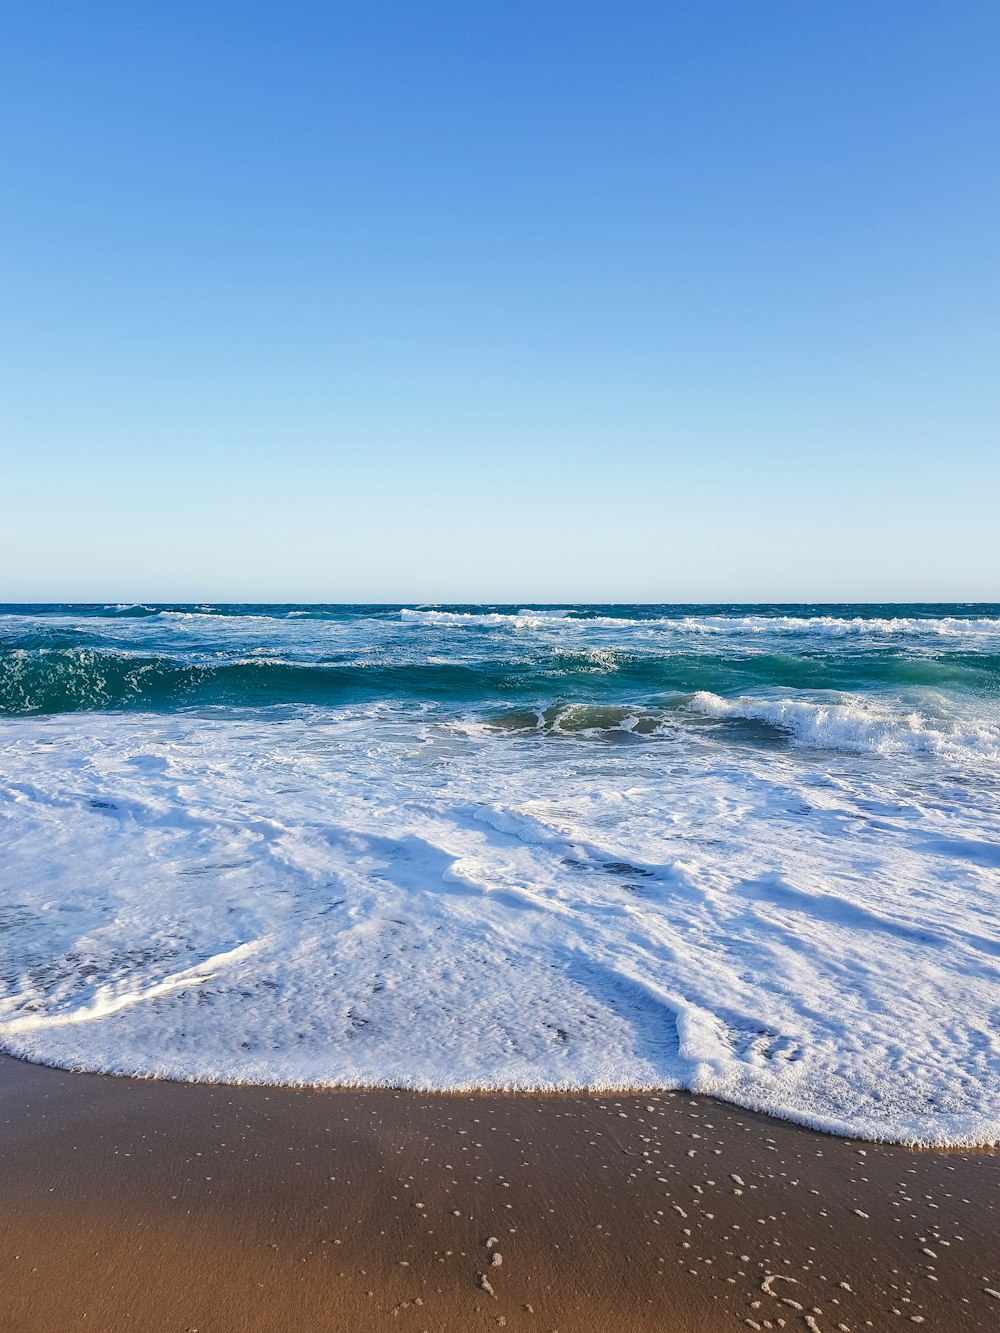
(748, 850)
(61, 658)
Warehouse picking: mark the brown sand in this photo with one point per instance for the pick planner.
(154, 1206)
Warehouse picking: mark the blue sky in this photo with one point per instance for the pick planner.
(526, 301)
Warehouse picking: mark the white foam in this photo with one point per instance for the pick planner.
(379, 896)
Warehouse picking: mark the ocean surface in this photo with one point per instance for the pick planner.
(750, 851)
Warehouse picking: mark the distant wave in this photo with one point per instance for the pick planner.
(133, 610)
(838, 619)
(819, 625)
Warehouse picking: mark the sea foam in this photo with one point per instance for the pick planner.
(384, 898)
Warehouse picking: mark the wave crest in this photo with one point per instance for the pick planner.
(848, 722)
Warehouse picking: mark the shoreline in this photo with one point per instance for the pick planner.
(636, 1092)
(143, 1204)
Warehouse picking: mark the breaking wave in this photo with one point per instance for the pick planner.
(860, 726)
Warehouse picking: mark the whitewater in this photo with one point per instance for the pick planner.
(749, 851)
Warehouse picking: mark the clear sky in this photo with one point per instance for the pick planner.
(540, 300)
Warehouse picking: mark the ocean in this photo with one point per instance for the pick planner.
(751, 851)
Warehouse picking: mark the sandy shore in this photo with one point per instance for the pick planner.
(155, 1206)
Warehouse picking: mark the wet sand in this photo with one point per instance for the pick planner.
(153, 1206)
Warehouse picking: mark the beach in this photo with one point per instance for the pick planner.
(141, 1204)
(499, 668)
